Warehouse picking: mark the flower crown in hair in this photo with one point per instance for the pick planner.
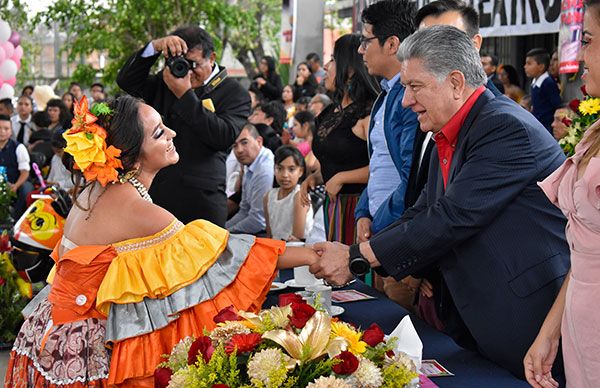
(86, 142)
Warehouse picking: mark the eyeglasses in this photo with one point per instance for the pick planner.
(364, 42)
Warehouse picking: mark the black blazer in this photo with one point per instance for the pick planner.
(195, 187)
(499, 243)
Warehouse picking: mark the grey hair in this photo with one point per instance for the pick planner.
(444, 49)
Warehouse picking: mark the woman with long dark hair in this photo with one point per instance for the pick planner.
(268, 82)
(340, 143)
(510, 80)
(306, 84)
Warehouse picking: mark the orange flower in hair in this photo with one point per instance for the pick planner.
(86, 142)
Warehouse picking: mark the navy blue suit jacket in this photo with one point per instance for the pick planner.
(498, 241)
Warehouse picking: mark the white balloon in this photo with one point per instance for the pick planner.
(4, 31)
(8, 68)
(6, 91)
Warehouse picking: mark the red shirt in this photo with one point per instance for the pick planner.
(447, 137)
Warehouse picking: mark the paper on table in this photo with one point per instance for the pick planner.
(408, 340)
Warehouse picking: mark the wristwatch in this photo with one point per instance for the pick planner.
(359, 266)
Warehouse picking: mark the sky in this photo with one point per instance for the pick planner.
(36, 6)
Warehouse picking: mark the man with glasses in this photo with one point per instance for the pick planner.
(391, 129)
(204, 107)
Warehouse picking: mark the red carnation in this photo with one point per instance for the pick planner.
(289, 298)
(583, 90)
(373, 335)
(301, 313)
(574, 105)
(162, 376)
(244, 343)
(226, 314)
(348, 365)
(202, 346)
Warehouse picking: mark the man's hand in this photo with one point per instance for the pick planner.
(179, 86)
(13, 187)
(333, 263)
(363, 229)
(170, 46)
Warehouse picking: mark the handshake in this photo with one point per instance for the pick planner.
(331, 261)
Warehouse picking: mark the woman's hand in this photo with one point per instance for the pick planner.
(305, 187)
(538, 362)
(333, 186)
(260, 81)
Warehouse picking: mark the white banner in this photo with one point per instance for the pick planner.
(515, 17)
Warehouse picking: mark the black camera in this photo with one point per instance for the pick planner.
(179, 65)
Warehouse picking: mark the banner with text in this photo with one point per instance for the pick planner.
(515, 17)
(569, 36)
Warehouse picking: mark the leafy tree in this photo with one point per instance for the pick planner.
(120, 27)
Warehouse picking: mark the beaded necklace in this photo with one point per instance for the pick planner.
(141, 189)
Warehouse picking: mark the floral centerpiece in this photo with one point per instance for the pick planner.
(587, 110)
(14, 292)
(7, 196)
(291, 346)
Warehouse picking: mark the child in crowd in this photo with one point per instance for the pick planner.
(545, 96)
(59, 175)
(302, 104)
(14, 157)
(287, 218)
(304, 128)
(526, 102)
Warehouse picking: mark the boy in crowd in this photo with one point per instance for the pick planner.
(545, 96)
(15, 158)
(6, 107)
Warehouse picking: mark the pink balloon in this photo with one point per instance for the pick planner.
(15, 38)
(2, 54)
(12, 81)
(1, 80)
(9, 49)
(18, 54)
(18, 63)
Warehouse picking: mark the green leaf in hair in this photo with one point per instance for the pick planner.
(101, 108)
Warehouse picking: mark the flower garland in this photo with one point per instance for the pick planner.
(290, 346)
(587, 111)
(86, 142)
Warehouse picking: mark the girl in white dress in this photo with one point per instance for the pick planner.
(287, 218)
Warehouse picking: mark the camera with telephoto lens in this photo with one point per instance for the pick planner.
(179, 65)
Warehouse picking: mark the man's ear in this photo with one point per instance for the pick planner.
(259, 140)
(457, 79)
(268, 120)
(392, 44)
(212, 58)
(477, 41)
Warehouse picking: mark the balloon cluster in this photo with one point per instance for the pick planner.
(10, 59)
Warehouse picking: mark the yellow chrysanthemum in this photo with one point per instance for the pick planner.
(355, 345)
(590, 106)
(86, 148)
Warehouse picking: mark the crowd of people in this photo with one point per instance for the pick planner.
(410, 152)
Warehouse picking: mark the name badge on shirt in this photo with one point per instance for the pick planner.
(208, 104)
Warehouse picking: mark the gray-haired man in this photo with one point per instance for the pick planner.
(498, 242)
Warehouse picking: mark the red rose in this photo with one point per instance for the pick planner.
(220, 386)
(574, 105)
(348, 365)
(301, 313)
(289, 298)
(162, 376)
(2, 281)
(4, 242)
(583, 90)
(244, 343)
(202, 346)
(373, 335)
(226, 314)
(566, 121)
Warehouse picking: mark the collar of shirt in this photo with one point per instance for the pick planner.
(258, 161)
(537, 82)
(213, 74)
(387, 85)
(447, 137)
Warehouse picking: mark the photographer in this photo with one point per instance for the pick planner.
(204, 107)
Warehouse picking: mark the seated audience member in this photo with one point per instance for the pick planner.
(39, 142)
(302, 104)
(257, 181)
(60, 119)
(562, 118)
(287, 97)
(267, 118)
(255, 98)
(306, 84)
(286, 216)
(318, 103)
(75, 90)
(304, 127)
(510, 80)
(21, 122)
(526, 102)
(59, 175)
(97, 91)
(6, 107)
(314, 61)
(68, 99)
(15, 158)
(268, 81)
(490, 66)
(545, 96)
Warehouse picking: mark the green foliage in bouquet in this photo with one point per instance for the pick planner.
(11, 301)
(7, 196)
(588, 111)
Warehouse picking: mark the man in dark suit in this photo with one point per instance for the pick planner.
(490, 66)
(204, 107)
(499, 243)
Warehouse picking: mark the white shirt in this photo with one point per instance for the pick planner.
(22, 158)
(281, 214)
(16, 127)
(59, 173)
(537, 82)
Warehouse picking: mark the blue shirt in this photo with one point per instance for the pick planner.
(383, 175)
(257, 181)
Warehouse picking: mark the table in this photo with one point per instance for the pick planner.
(470, 369)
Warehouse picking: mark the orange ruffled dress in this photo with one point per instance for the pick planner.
(138, 297)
